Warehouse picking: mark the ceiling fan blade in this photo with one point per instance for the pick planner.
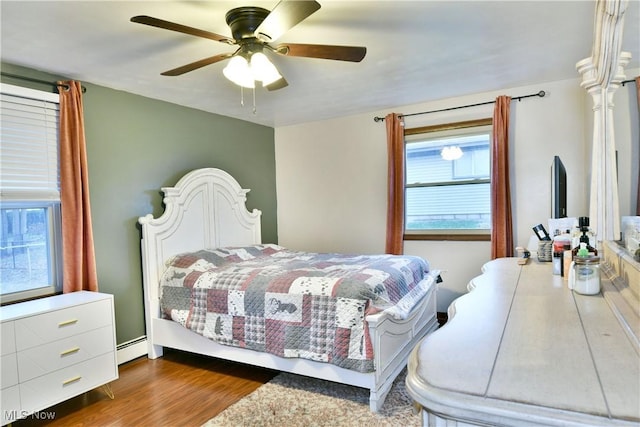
(286, 15)
(160, 23)
(198, 64)
(340, 53)
(278, 84)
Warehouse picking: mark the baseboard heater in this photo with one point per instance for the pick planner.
(130, 350)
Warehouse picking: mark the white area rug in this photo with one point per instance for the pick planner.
(292, 400)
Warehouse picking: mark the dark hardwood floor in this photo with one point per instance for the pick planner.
(178, 389)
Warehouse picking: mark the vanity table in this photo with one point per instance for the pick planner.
(522, 349)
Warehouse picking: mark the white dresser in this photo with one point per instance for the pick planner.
(53, 349)
(521, 349)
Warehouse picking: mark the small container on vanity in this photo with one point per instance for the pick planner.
(586, 275)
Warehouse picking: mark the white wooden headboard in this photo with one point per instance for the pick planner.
(205, 209)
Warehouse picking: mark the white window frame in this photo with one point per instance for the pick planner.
(47, 198)
(443, 131)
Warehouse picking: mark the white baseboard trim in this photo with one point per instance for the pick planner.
(131, 350)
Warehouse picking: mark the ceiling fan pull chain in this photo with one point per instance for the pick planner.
(254, 100)
(241, 96)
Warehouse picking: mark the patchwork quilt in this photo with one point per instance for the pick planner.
(289, 303)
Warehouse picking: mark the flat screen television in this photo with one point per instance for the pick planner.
(558, 189)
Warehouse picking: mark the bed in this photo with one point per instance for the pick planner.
(206, 225)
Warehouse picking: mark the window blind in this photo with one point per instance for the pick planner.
(28, 145)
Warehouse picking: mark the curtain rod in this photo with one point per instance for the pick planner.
(33, 80)
(541, 94)
(627, 81)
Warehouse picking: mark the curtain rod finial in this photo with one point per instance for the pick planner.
(378, 119)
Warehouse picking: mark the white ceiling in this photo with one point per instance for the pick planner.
(417, 51)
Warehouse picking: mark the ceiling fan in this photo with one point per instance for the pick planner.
(253, 29)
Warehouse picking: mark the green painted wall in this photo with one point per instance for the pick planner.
(135, 146)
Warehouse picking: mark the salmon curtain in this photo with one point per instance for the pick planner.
(502, 223)
(638, 182)
(78, 256)
(395, 200)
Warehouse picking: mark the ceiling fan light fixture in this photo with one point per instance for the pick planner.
(263, 69)
(451, 152)
(253, 29)
(239, 72)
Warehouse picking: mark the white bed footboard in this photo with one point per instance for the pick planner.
(393, 340)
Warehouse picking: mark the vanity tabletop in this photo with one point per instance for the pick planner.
(521, 347)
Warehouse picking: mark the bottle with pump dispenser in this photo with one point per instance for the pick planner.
(583, 227)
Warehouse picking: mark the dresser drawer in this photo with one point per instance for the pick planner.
(60, 385)
(38, 361)
(55, 325)
(55, 348)
(7, 338)
(10, 404)
(9, 370)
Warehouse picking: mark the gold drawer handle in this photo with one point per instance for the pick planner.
(67, 323)
(70, 351)
(71, 380)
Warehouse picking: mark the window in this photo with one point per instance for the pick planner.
(30, 228)
(448, 194)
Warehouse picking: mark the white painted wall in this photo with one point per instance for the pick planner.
(331, 176)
